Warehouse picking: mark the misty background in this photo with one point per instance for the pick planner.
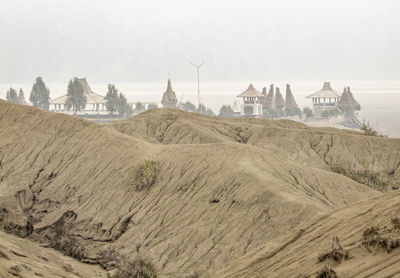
(142, 41)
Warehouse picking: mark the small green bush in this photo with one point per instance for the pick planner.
(146, 174)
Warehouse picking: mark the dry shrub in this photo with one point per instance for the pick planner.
(372, 238)
(396, 223)
(335, 255)
(326, 272)
(70, 246)
(139, 268)
(195, 274)
(108, 258)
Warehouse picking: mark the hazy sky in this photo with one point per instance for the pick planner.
(140, 41)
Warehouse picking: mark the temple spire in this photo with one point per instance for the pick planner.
(169, 99)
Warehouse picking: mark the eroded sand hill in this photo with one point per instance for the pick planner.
(297, 252)
(20, 257)
(223, 187)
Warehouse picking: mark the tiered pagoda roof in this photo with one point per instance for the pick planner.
(290, 101)
(270, 99)
(347, 101)
(279, 100)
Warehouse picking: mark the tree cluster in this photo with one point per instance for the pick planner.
(205, 110)
(272, 113)
(226, 111)
(331, 113)
(308, 112)
(12, 95)
(116, 102)
(292, 111)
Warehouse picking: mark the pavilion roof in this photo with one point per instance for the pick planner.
(250, 92)
(326, 92)
(91, 97)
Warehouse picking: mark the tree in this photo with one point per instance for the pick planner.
(308, 112)
(123, 108)
(189, 107)
(152, 106)
(76, 98)
(209, 112)
(12, 95)
(139, 108)
(201, 109)
(272, 113)
(292, 111)
(40, 94)
(325, 114)
(226, 111)
(111, 99)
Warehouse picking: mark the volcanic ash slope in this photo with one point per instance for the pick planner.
(296, 253)
(222, 188)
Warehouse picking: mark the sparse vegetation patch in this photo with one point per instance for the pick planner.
(140, 267)
(366, 176)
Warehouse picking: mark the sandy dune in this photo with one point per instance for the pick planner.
(297, 252)
(223, 187)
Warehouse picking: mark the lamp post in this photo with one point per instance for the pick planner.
(198, 85)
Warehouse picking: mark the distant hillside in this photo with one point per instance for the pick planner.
(218, 190)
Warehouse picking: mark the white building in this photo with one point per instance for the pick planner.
(95, 104)
(325, 99)
(252, 103)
